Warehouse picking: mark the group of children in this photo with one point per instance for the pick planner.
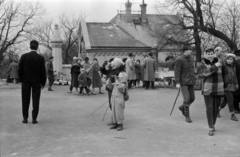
(219, 81)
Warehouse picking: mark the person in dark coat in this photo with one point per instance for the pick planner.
(75, 71)
(232, 86)
(94, 74)
(32, 74)
(149, 71)
(138, 73)
(50, 73)
(71, 87)
(185, 80)
(13, 69)
(236, 94)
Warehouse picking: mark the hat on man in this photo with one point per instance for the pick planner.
(231, 55)
(237, 52)
(82, 69)
(130, 54)
(51, 57)
(187, 47)
(74, 58)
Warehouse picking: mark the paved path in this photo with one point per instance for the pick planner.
(66, 128)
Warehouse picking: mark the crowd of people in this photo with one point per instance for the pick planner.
(220, 80)
(220, 76)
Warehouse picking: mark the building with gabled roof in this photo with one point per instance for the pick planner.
(126, 33)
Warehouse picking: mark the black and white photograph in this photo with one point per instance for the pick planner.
(119, 78)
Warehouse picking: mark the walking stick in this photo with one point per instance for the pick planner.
(99, 107)
(175, 101)
(105, 113)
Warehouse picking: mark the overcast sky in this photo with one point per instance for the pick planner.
(97, 10)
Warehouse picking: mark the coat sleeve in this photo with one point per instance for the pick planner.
(225, 76)
(177, 70)
(43, 72)
(21, 66)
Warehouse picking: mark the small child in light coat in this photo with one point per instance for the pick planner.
(118, 102)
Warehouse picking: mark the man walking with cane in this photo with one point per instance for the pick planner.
(185, 80)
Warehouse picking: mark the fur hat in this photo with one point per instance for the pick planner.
(231, 55)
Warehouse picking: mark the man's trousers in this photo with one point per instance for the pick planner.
(27, 88)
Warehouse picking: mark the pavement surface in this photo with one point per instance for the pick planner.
(66, 127)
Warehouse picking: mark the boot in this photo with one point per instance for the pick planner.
(114, 126)
(234, 118)
(181, 108)
(186, 111)
(120, 127)
(218, 114)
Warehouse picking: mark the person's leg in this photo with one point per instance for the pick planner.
(224, 102)
(120, 114)
(230, 100)
(216, 103)
(191, 94)
(152, 84)
(147, 84)
(36, 93)
(86, 89)
(81, 90)
(209, 111)
(26, 94)
(236, 103)
(114, 116)
(186, 100)
(100, 90)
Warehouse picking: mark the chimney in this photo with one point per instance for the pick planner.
(144, 11)
(128, 6)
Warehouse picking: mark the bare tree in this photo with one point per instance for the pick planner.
(15, 17)
(41, 31)
(69, 27)
(207, 16)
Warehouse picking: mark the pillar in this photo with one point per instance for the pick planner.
(56, 43)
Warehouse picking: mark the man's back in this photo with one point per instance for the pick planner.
(32, 68)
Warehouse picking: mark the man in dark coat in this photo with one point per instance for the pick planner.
(149, 71)
(50, 73)
(236, 94)
(32, 74)
(185, 79)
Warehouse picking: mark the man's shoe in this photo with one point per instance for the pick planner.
(114, 126)
(181, 108)
(34, 121)
(120, 127)
(211, 132)
(234, 118)
(188, 119)
(49, 89)
(25, 121)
